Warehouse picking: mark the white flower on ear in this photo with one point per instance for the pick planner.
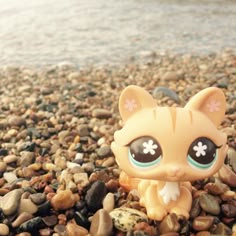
(213, 106)
(149, 147)
(200, 149)
(130, 104)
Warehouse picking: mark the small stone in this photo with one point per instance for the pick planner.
(101, 113)
(73, 229)
(227, 176)
(16, 121)
(101, 223)
(209, 204)
(202, 223)
(26, 205)
(21, 218)
(203, 233)
(31, 225)
(10, 177)
(26, 158)
(216, 188)
(4, 230)
(104, 151)
(38, 198)
(82, 220)
(24, 234)
(109, 202)
(108, 162)
(171, 75)
(229, 210)
(63, 200)
(169, 224)
(3, 166)
(124, 218)
(95, 195)
(62, 135)
(195, 209)
(83, 130)
(74, 75)
(81, 179)
(60, 229)
(50, 220)
(10, 202)
(145, 227)
(45, 232)
(3, 152)
(10, 158)
(160, 92)
(221, 229)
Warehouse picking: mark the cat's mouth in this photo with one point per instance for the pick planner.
(175, 173)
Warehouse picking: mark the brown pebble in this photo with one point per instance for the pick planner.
(229, 210)
(60, 229)
(202, 223)
(63, 200)
(112, 185)
(45, 232)
(3, 166)
(21, 218)
(221, 229)
(10, 158)
(196, 209)
(227, 176)
(169, 224)
(144, 226)
(50, 220)
(26, 205)
(101, 223)
(72, 229)
(24, 234)
(203, 233)
(109, 202)
(216, 188)
(101, 113)
(4, 230)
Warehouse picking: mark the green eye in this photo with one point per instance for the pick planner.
(144, 152)
(202, 153)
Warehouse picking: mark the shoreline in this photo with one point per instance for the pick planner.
(141, 58)
(56, 127)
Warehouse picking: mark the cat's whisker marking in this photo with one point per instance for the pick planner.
(191, 117)
(173, 114)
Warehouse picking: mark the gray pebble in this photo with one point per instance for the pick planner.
(159, 92)
(209, 204)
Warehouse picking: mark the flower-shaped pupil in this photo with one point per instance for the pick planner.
(202, 153)
(145, 151)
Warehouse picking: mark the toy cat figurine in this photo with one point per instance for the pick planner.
(162, 149)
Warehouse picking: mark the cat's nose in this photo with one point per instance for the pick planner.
(175, 171)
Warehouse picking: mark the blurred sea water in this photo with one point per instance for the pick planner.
(98, 32)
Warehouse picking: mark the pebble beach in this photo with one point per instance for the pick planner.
(58, 175)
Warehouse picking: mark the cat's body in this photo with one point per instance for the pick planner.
(166, 147)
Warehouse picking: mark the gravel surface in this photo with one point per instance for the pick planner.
(58, 175)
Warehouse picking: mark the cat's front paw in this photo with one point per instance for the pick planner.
(156, 213)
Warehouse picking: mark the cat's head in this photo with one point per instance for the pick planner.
(167, 143)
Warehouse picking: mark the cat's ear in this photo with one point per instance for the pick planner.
(211, 102)
(134, 99)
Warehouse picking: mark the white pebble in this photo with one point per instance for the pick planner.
(10, 177)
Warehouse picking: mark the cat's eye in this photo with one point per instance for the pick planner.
(202, 153)
(145, 152)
